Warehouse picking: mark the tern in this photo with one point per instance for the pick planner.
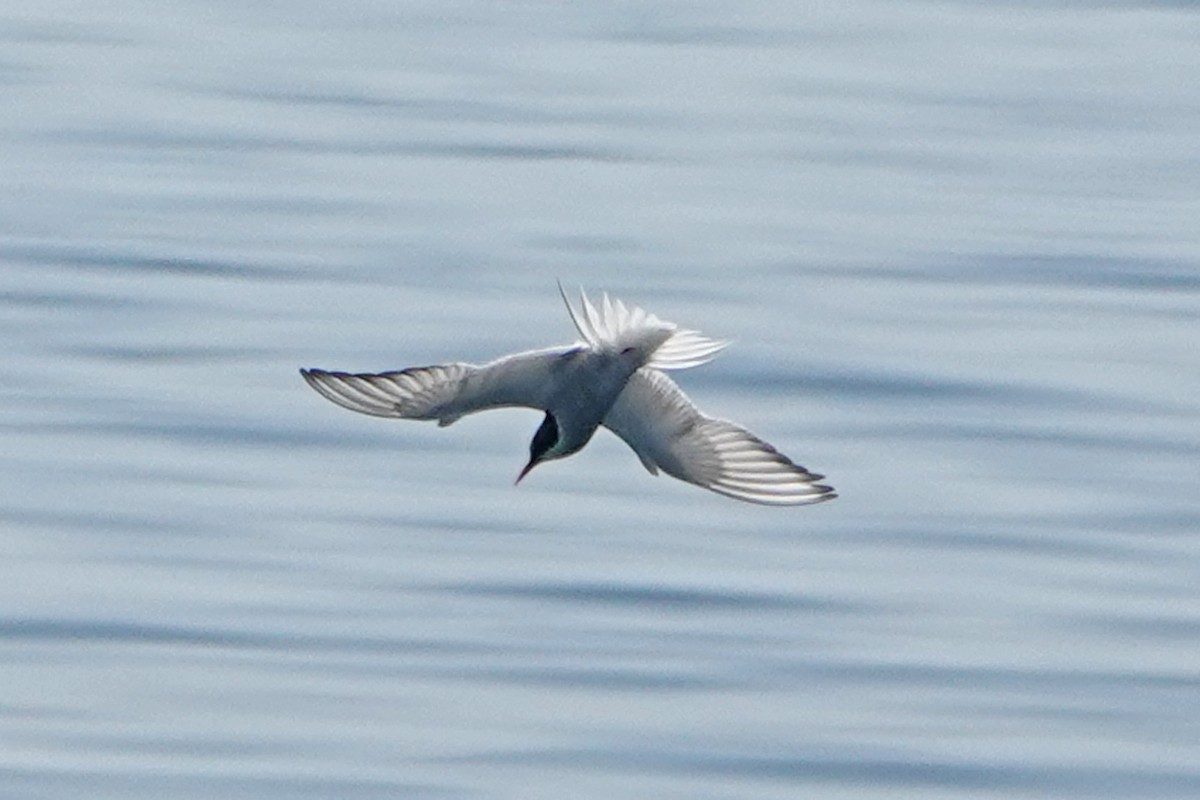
(614, 377)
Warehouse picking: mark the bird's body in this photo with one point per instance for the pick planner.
(612, 378)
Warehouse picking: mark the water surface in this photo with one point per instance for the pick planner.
(954, 243)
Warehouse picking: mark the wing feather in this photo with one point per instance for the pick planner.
(443, 392)
(668, 432)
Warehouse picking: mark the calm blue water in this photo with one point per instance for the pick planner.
(956, 245)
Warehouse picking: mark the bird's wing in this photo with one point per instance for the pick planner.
(617, 326)
(667, 432)
(444, 392)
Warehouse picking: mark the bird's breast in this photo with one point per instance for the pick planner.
(585, 388)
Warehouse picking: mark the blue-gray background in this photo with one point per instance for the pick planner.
(956, 244)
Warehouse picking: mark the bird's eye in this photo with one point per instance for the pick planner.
(628, 350)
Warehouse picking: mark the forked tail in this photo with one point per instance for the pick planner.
(617, 326)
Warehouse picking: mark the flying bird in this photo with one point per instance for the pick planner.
(615, 377)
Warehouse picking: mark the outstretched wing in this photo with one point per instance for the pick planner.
(616, 326)
(444, 392)
(668, 432)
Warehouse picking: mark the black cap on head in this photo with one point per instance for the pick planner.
(543, 440)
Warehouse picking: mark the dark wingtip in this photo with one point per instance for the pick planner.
(312, 376)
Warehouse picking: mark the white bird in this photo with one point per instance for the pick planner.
(613, 377)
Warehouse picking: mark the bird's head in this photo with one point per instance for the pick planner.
(542, 448)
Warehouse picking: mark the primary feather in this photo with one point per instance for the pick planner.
(443, 392)
(658, 421)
